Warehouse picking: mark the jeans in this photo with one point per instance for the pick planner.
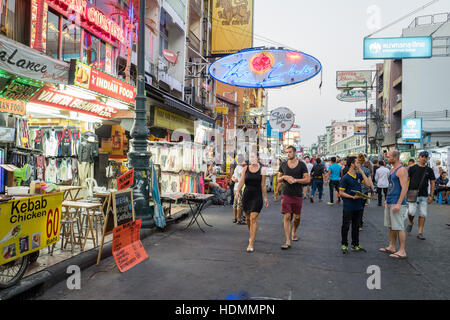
(353, 218)
(380, 196)
(334, 185)
(232, 193)
(317, 184)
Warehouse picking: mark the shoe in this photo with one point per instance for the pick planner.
(358, 249)
(360, 229)
(420, 236)
(285, 246)
(320, 200)
(311, 199)
(330, 203)
(344, 249)
(409, 228)
(235, 220)
(242, 222)
(250, 249)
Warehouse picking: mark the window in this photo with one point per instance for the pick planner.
(91, 52)
(15, 20)
(71, 44)
(53, 35)
(164, 33)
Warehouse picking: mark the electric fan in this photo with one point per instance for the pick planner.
(22, 174)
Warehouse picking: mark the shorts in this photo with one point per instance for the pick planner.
(422, 204)
(291, 204)
(395, 221)
(237, 203)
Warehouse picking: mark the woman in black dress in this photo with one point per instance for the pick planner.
(254, 178)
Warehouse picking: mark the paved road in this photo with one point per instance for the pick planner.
(212, 265)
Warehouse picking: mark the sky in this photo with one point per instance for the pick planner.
(333, 32)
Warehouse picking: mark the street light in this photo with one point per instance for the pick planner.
(139, 157)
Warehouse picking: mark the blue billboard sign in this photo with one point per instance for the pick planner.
(412, 130)
(265, 68)
(398, 48)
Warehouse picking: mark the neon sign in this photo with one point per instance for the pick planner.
(90, 18)
(265, 68)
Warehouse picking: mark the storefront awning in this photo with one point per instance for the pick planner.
(177, 104)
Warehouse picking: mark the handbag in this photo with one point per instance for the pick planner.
(411, 195)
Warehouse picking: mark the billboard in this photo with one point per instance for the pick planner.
(355, 95)
(360, 113)
(412, 130)
(353, 79)
(232, 26)
(398, 48)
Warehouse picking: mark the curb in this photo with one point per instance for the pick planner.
(54, 274)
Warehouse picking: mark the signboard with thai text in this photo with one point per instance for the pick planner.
(412, 130)
(398, 48)
(353, 79)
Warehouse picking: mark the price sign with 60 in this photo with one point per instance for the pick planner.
(52, 223)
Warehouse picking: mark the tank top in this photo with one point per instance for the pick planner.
(394, 189)
(253, 180)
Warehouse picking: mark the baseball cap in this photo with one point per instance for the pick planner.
(424, 154)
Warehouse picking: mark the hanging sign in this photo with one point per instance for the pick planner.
(359, 130)
(360, 112)
(20, 60)
(170, 56)
(352, 95)
(53, 98)
(39, 12)
(87, 77)
(398, 48)
(265, 68)
(281, 119)
(126, 180)
(353, 79)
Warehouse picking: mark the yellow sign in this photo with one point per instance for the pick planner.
(232, 26)
(221, 110)
(12, 106)
(172, 121)
(28, 225)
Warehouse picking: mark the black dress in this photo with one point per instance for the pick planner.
(252, 200)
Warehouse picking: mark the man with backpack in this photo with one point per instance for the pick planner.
(317, 173)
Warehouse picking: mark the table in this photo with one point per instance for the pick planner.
(200, 200)
(68, 192)
(90, 208)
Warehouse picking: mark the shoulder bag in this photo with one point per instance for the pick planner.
(411, 195)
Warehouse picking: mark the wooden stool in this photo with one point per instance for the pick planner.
(68, 222)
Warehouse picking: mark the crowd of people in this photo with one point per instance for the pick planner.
(404, 189)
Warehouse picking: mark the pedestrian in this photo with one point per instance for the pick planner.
(375, 166)
(365, 167)
(233, 166)
(353, 205)
(333, 177)
(382, 182)
(237, 204)
(441, 187)
(307, 187)
(419, 176)
(395, 209)
(275, 180)
(254, 178)
(317, 174)
(437, 169)
(411, 162)
(293, 173)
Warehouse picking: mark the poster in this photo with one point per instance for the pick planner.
(28, 225)
(126, 180)
(232, 26)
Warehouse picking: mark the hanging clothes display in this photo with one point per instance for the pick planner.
(51, 172)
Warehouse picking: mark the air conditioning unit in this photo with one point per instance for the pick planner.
(399, 97)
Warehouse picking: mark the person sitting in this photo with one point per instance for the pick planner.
(214, 187)
(442, 187)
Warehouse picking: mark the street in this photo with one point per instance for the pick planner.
(215, 265)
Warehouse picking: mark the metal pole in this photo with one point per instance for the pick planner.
(367, 126)
(139, 157)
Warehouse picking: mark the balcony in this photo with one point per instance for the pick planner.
(194, 41)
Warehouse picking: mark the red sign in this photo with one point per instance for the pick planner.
(53, 98)
(90, 18)
(170, 56)
(127, 247)
(126, 180)
(92, 79)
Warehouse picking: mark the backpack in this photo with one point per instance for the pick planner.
(317, 171)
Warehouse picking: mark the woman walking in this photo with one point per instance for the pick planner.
(254, 178)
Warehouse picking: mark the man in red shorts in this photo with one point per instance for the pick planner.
(293, 173)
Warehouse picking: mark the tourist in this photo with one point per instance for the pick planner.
(317, 174)
(239, 218)
(382, 182)
(333, 177)
(442, 188)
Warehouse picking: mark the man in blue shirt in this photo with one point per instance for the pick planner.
(333, 176)
(353, 204)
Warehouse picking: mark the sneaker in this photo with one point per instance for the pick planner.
(330, 203)
(344, 249)
(420, 236)
(358, 248)
(409, 228)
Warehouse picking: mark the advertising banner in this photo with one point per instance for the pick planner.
(232, 26)
(12, 106)
(20, 60)
(353, 79)
(28, 225)
(39, 13)
(352, 95)
(172, 121)
(359, 130)
(360, 113)
(281, 119)
(53, 98)
(89, 78)
(412, 130)
(398, 48)
(126, 180)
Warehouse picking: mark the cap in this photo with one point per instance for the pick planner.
(424, 154)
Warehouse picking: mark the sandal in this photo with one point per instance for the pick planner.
(285, 246)
(295, 238)
(249, 249)
(397, 256)
(386, 250)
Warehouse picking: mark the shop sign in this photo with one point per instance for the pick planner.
(412, 130)
(89, 78)
(221, 110)
(398, 48)
(360, 113)
(281, 119)
(53, 98)
(90, 18)
(352, 96)
(39, 14)
(359, 130)
(20, 89)
(353, 79)
(265, 68)
(20, 60)
(172, 121)
(12, 106)
(28, 225)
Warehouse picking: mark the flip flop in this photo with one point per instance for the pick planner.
(250, 249)
(285, 247)
(295, 238)
(386, 250)
(397, 256)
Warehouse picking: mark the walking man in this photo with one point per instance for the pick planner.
(419, 175)
(353, 204)
(382, 182)
(395, 209)
(317, 173)
(293, 173)
(307, 187)
(239, 218)
(333, 177)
